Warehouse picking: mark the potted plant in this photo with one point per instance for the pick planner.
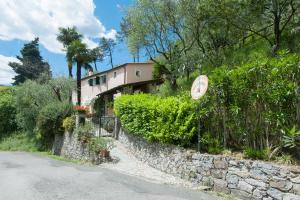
(102, 146)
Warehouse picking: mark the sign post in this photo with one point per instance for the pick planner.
(198, 89)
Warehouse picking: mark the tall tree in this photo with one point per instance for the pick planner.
(267, 19)
(78, 53)
(96, 55)
(158, 27)
(66, 36)
(107, 46)
(31, 64)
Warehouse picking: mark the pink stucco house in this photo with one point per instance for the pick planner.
(107, 85)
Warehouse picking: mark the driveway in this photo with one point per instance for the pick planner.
(26, 176)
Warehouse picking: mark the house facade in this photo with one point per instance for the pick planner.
(107, 85)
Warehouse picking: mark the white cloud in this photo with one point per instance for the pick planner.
(6, 72)
(27, 19)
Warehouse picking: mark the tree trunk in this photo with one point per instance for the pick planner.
(70, 69)
(111, 60)
(78, 73)
(95, 66)
(276, 33)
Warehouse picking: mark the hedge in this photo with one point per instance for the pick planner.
(166, 120)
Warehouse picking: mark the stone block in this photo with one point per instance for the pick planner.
(290, 196)
(257, 183)
(238, 172)
(258, 194)
(258, 174)
(220, 164)
(274, 193)
(232, 179)
(296, 188)
(241, 194)
(242, 185)
(221, 186)
(283, 185)
(296, 180)
(218, 173)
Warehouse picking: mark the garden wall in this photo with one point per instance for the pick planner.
(68, 146)
(245, 179)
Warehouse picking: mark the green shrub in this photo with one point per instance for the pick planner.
(41, 108)
(167, 120)
(69, 123)
(100, 143)
(255, 154)
(210, 144)
(85, 132)
(19, 141)
(7, 111)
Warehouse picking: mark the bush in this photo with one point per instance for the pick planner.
(69, 123)
(167, 120)
(19, 141)
(100, 143)
(7, 111)
(250, 105)
(210, 144)
(41, 108)
(85, 132)
(255, 154)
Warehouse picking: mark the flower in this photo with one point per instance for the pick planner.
(81, 109)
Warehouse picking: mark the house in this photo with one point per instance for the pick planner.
(103, 87)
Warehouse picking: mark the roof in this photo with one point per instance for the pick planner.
(128, 84)
(117, 67)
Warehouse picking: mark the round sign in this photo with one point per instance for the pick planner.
(199, 86)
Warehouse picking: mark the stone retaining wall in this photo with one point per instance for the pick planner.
(245, 179)
(70, 147)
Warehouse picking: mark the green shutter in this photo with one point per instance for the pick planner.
(97, 80)
(90, 82)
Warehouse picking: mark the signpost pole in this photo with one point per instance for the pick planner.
(199, 123)
(198, 89)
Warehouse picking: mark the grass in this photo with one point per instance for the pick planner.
(21, 141)
(60, 158)
(18, 141)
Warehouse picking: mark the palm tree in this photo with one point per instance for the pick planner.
(77, 52)
(66, 36)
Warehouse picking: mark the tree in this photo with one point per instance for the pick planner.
(66, 36)
(41, 108)
(31, 66)
(78, 53)
(107, 46)
(96, 55)
(267, 19)
(158, 27)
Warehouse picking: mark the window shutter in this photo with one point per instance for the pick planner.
(90, 82)
(97, 80)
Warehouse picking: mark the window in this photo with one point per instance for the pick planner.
(103, 79)
(115, 74)
(97, 80)
(138, 73)
(91, 81)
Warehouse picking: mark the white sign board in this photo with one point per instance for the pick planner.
(199, 86)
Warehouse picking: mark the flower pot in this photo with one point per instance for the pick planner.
(105, 153)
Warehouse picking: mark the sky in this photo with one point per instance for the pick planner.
(22, 21)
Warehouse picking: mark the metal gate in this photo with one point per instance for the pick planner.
(104, 126)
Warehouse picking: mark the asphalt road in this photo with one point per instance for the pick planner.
(26, 176)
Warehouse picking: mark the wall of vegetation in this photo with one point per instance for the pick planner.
(251, 107)
(167, 120)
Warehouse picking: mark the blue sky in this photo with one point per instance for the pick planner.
(21, 21)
